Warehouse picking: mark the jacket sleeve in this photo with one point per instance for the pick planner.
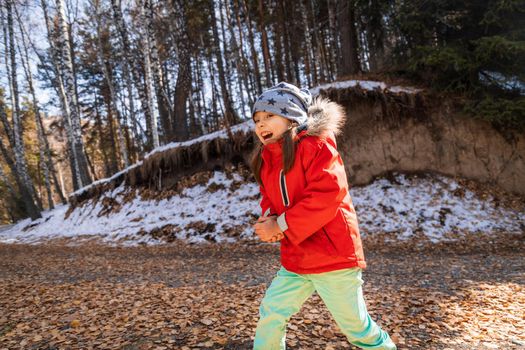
(266, 205)
(326, 187)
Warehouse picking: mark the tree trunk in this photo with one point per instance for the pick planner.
(124, 129)
(278, 35)
(107, 70)
(317, 66)
(256, 70)
(295, 46)
(375, 37)
(229, 114)
(70, 39)
(29, 206)
(286, 41)
(238, 64)
(33, 210)
(43, 146)
(130, 64)
(59, 187)
(349, 57)
(103, 148)
(64, 104)
(183, 84)
(308, 41)
(3, 116)
(132, 116)
(151, 122)
(333, 35)
(225, 49)
(114, 167)
(325, 52)
(214, 124)
(163, 101)
(264, 44)
(69, 82)
(246, 77)
(200, 88)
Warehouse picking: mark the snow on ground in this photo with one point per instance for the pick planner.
(429, 206)
(406, 206)
(244, 127)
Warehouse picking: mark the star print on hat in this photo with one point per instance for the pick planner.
(286, 100)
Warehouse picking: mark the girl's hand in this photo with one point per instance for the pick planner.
(267, 229)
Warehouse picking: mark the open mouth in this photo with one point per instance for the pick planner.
(266, 135)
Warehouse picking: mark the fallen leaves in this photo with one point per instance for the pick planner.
(207, 297)
(206, 321)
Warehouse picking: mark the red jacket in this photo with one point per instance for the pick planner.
(312, 201)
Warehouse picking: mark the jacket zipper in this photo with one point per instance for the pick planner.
(284, 190)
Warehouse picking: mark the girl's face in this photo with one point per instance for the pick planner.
(270, 127)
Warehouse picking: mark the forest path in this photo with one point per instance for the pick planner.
(466, 295)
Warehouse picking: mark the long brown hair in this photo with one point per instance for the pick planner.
(289, 147)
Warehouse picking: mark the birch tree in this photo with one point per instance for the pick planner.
(43, 146)
(26, 187)
(58, 84)
(148, 79)
(69, 83)
(164, 104)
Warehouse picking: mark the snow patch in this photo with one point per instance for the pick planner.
(406, 206)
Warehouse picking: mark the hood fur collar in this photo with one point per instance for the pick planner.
(323, 116)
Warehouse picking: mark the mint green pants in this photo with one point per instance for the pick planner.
(342, 294)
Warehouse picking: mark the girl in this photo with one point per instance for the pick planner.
(307, 207)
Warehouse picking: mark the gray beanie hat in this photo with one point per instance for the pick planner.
(286, 100)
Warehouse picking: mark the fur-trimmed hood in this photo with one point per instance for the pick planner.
(323, 115)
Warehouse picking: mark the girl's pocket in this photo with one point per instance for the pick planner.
(319, 243)
(338, 233)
